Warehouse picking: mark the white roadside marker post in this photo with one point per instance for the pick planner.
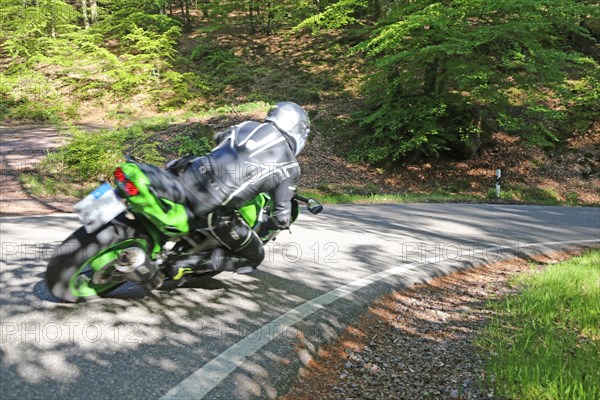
(498, 175)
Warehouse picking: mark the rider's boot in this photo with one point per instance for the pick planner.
(224, 260)
(187, 266)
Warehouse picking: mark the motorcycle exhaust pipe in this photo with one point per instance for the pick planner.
(134, 263)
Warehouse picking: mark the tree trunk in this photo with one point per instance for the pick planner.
(205, 9)
(269, 18)
(319, 5)
(251, 15)
(93, 11)
(380, 8)
(84, 9)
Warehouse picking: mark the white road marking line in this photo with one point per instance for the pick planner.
(205, 379)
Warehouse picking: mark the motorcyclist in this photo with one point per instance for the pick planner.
(250, 158)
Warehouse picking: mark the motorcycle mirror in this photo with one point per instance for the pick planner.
(314, 207)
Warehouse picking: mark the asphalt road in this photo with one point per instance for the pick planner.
(244, 336)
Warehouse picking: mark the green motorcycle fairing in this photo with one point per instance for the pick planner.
(251, 211)
(173, 219)
(169, 217)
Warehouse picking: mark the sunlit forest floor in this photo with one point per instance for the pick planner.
(320, 73)
(568, 175)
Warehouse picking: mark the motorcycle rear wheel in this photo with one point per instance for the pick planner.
(82, 267)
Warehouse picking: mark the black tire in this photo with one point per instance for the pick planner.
(71, 263)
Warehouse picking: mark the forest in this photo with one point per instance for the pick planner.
(395, 80)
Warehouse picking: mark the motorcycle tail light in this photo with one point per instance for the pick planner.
(131, 189)
(119, 175)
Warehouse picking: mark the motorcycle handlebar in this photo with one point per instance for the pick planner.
(313, 205)
(300, 198)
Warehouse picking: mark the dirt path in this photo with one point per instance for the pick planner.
(21, 148)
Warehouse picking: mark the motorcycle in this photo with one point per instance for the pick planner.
(141, 230)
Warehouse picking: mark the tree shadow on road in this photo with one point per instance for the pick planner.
(162, 337)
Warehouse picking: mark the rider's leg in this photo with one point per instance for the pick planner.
(241, 245)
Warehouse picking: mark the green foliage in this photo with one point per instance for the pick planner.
(88, 156)
(176, 89)
(25, 110)
(24, 24)
(532, 195)
(76, 168)
(439, 75)
(366, 195)
(128, 19)
(572, 199)
(148, 57)
(543, 343)
(336, 15)
(30, 96)
(221, 65)
(585, 103)
(259, 16)
(413, 120)
(199, 146)
(151, 45)
(439, 69)
(196, 145)
(249, 107)
(127, 52)
(53, 183)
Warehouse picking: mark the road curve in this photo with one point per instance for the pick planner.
(237, 336)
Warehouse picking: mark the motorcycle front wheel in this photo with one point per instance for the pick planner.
(82, 267)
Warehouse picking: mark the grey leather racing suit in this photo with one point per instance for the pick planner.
(250, 158)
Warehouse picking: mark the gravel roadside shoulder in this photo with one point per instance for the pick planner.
(417, 344)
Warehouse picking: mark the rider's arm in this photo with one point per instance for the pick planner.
(281, 214)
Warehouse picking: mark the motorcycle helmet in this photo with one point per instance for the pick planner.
(291, 120)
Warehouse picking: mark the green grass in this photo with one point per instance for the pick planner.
(436, 197)
(544, 343)
(533, 195)
(51, 187)
(89, 158)
(249, 107)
